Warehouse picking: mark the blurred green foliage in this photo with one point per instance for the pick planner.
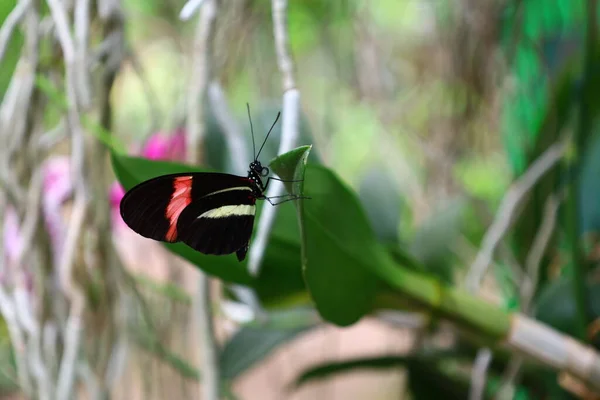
(11, 56)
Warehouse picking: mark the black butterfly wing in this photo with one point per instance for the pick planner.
(219, 223)
(154, 207)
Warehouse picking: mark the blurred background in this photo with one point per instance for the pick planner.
(430, 110)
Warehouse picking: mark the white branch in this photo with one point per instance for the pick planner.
(479, 374)
(201, 307)
(67, 371)
(289, 137)
(189, 9)
(8, 310)
(82, 33)
(290, 129)
(280, 31)
(554, 349)
(509, 210)
(233, 136)
(538, 248)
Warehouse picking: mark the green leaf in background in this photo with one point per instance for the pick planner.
(337, 246)
(330, 369)
(555, 305)
(11, 57)
(427, 378)
(256, 341)
(382, 202)
(589, 189)
(433, 240)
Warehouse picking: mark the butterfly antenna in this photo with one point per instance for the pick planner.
(268, 133)
(251, 131)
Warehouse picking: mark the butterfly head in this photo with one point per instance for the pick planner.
(257, 168)
(257, 172)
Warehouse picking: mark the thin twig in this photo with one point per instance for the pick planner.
(231, 129)
(509, 210)
(10, 23)
(89, 377)
(17, 101)
(538, 248)
(289, 130)
(82, 34)
(509, 381)
(66, 373)
(200, 76)
(151, 98)
(73, 327)
(479, 375)
(8, 311)
(189, 9)
(14, 122)
(201, 307)
(32, 217)
(282, 47)
(25, 314)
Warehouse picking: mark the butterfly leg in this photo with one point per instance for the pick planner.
(280, 180)
(292, 197)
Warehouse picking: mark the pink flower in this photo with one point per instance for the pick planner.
(157, 147)
(116, 193)
(161, 147)
(58, 188)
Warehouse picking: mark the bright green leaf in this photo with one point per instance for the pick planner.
(337, 247)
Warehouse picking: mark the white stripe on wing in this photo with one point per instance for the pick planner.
(229, 211)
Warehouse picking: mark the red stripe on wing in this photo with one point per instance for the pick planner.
(180, 199)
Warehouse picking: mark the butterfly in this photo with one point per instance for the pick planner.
(211, 212)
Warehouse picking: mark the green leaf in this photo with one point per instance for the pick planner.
(290, 167)
(430, 380)
(329, 369)
(556, 307)
(433, 240)
(421, 368)
(254, 342)
(382, 202)
(337, 243)
(589, 189)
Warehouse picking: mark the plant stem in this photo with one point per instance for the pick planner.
(581, 139)
(453, 304)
